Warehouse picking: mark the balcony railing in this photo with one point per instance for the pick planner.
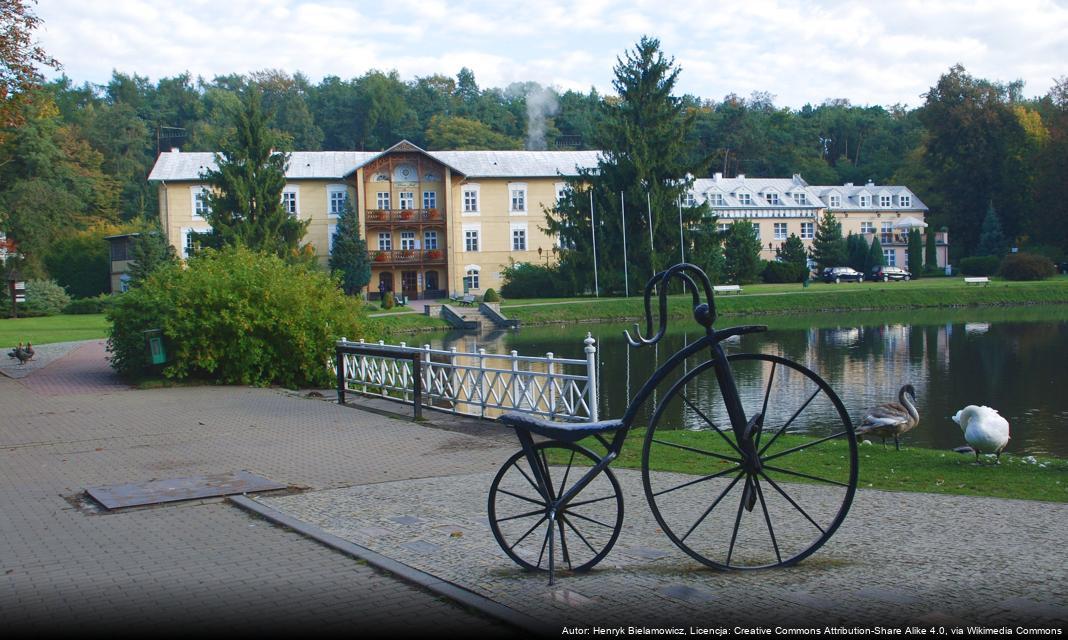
(376, 217)
(407, 256)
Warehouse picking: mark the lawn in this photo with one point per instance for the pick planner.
(62, 328)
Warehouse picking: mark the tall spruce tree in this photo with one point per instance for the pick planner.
(792, 252)
(829, 247)
(915, 252)
(857, 251)
(646, 166)
(930, 251)
(741, 253)
(150, 251)
(245, 199)
(991, 238)
(875, 254)
(348, 254)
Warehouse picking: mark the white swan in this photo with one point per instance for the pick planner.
(984, 430)
(891, 419)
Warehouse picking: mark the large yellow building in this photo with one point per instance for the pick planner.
(444, 222)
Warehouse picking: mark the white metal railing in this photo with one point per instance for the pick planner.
(479, 383)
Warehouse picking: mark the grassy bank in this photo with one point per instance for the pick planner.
(62, 328)
(911, 469)
(771, 299)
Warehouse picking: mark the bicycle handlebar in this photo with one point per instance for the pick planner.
(704, 312)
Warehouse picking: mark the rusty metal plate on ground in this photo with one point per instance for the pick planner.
(117, 496)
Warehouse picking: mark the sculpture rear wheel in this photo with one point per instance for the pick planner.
(769, 497)
(521, 515)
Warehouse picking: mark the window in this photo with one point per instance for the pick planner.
(906, 201)
(772, 198)
(884, 201)
(865, 201)
(471, 240)
(188, 244)
(561, 188)
(867, 227)
(890, 257)
(430, 199)
(519, 239)
(200, 203)
(780, 230)
(337, 198)
(518, 194)
(430, 239)
(470, 200)
(834, 201)
(801, 197)
(289, 201)
(406, 199)
(723, 227)
(385, 242)
(471, 279)
(887, 234)
(407, 240)
(808, 230)
(330, 231)
(716, 199)
(745, 198)
(756, 230)
(383, 200)
(688, 200)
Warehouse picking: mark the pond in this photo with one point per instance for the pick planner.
(1011, 359)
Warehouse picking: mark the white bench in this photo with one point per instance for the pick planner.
(727, 288)
(977, 280)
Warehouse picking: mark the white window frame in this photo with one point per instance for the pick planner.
(406, 200)
(808, 230)
(517, 198)
(331, 229)
(383, 198)
(185, 233)
(472, 275)
(864, 200)
(834, 201)
(867, 227)
(800, 197)
(408, 241)
(467, 230)
(716, 200)
(199, 193)
(780, 230)
(745, 198)
(772, 198)
(470, 199)
(430, 199)
(385, 241)
(430, 239)
(560, 187)
(886, 232)
(756, 229)
(688, 200)
(723, 227)
(885, 201)
(905, 200)
(293, 191)
(332, 199)
(521, 229)
(890, 257)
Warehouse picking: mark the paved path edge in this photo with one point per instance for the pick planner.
(426, 580)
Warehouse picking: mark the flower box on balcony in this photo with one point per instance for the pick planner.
(406, 215)
(433, 254)
(380, 256)
(377, 215)
(407, 254)
(432, 214)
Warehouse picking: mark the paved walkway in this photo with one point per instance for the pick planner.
(65, 565)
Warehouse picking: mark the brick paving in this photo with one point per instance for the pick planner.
(201, 565)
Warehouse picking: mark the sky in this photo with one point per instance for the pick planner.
(799, 51)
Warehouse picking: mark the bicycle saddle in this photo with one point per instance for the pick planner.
(563, 431)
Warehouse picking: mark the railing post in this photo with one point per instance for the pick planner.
(482, 383)
(428, 383)
(363, 369)
(339, 357)
(552, 386)
(404, 374)
(516, 387)
(417, 394)
(454, 380)
(591, 374)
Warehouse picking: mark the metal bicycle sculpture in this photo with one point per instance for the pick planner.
(749, 460)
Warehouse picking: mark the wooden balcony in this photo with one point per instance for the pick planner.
(407, 256)
(396, 217)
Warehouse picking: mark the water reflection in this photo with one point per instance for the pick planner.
(1012, 360)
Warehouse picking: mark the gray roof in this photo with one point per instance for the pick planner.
(851, 196)
(759, 190)
(185, 165)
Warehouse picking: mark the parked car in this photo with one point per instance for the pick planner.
(837, 274)
(890, 273)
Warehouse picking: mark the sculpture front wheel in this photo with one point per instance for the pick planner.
(766, 494)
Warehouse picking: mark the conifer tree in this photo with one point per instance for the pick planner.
(991, 238)
(793, 252)
(857, 251)
(150, 251)
(930, 251)
(875, 254)
(348, 253)
(741, 253)
(915, 253)
(245, 198)
(829, 247)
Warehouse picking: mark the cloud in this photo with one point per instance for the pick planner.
(799, 50)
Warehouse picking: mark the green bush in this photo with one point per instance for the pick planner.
(388, 300)
(96, 304)
(775, 272)
(1026, 266)
(979, 266)
(45, 298)
(81, 263)
(490, 296)
(237, 317)
(527, 280)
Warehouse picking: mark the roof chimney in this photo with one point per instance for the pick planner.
(175, 150)
(797, 178)
(717, 176)
(870, 183)
(741, 176)
(848, 184)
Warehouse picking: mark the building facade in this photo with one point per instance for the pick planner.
(447, 222)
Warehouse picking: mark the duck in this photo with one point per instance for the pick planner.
(892, 419)
(984, 430)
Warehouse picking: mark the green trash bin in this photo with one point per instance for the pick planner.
(155, 352)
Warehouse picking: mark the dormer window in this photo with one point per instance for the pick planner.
(884, 201)
(865, 200)
(834, 201)
(745, 198)
(772, 198)
(906, 201)
(716, 200)
(688, 200)
(801, 197)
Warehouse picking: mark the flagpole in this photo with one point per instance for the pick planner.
(623, 217)
(649, 214)
(593, 232)
(682, 241)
